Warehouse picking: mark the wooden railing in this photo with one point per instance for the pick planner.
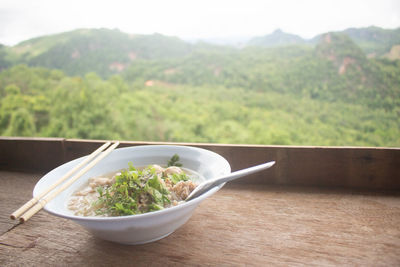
(349, 167)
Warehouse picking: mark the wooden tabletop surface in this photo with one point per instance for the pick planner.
(242, 224)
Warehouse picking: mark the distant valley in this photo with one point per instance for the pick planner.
(338, 88)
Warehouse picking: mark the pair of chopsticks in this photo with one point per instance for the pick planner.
(34, 205)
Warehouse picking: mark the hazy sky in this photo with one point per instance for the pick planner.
(24, 19)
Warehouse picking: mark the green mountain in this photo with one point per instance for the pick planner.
(341, 50)
(277, 38)
(5, 57)
(102, 51)
(336, 69)
(109, 52)
(374, 41)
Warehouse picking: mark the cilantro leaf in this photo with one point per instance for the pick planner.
(174, 161)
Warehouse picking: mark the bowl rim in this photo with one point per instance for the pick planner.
(150, 214)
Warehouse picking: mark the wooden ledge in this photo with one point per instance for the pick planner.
(349, 167)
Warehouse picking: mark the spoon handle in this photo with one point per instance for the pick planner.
(205, 186)
(237, 174)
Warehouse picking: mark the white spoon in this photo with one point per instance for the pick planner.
(207, 185)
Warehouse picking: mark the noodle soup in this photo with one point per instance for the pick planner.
(134, 191)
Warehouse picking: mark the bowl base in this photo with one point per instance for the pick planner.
(145, 241)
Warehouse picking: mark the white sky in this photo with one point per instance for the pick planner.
(24, 19)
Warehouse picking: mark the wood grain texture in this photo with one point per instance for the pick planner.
(15, 189)
(242, 224)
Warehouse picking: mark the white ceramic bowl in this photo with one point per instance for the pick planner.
(141, 228)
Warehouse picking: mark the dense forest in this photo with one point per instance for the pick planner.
(340, 89)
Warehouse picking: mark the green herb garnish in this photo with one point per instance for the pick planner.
(175, 178)
(137, 191)
(174, 161)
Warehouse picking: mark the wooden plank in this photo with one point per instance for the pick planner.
(30, 154)
(15, 189)
(240, 225)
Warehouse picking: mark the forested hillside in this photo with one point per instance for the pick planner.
(109, 52)
(105, 84)
(100, 50)
(374, 41)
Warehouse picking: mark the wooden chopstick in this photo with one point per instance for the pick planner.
(34, 200)
(43, 201)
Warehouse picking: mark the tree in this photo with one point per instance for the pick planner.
(21, 124)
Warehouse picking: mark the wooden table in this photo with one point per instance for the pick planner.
(243, 224)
